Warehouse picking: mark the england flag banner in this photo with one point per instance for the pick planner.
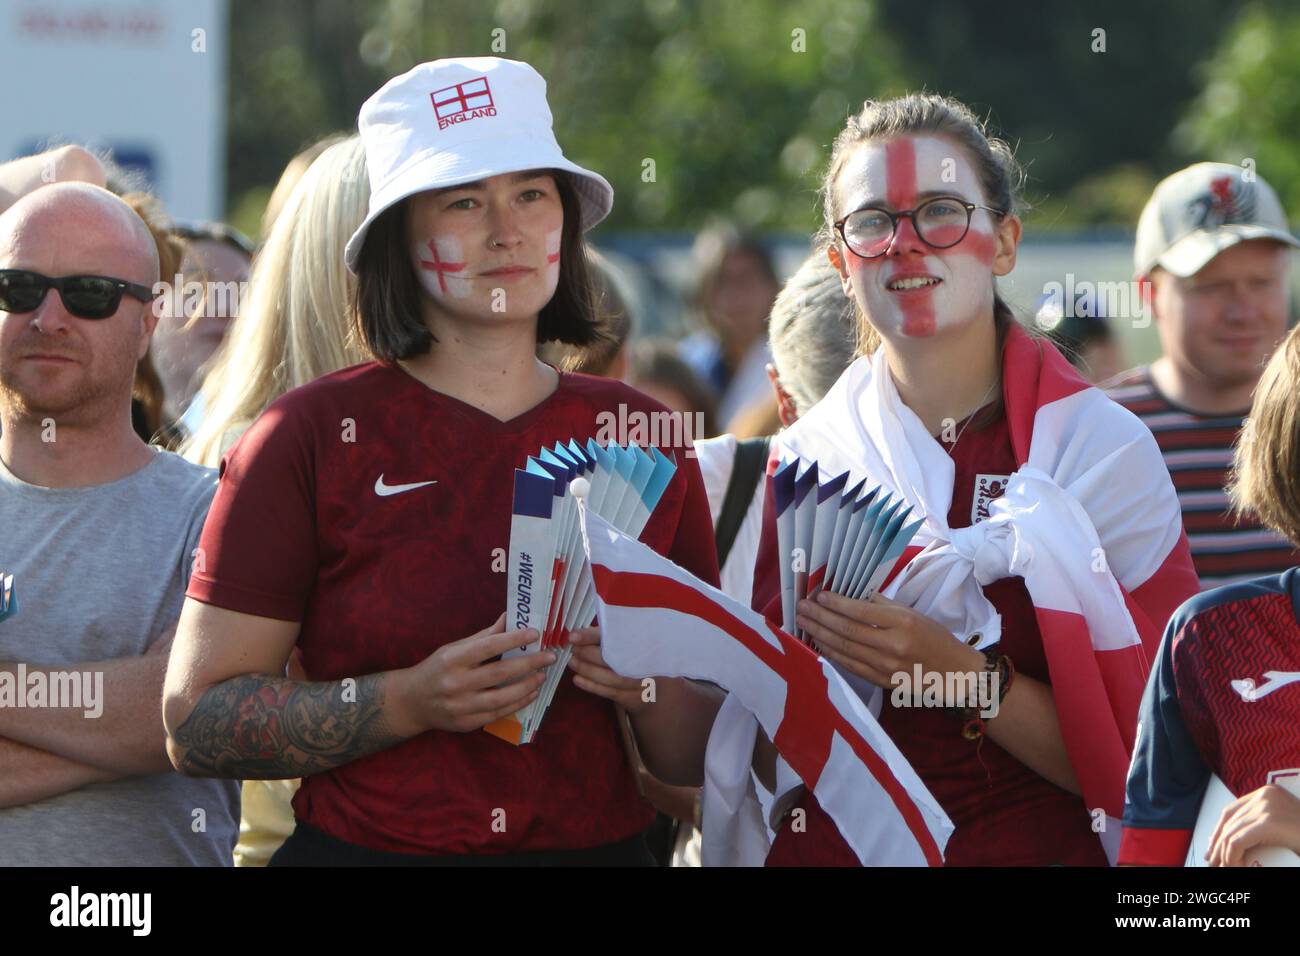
(657, 619)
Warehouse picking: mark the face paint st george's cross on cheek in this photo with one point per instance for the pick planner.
(442, 268)
(955, 283)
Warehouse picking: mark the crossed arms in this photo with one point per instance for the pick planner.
(46, 751)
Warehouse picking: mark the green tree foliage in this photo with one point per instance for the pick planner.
(734, 102)
(1250, 105)
(1090, 113)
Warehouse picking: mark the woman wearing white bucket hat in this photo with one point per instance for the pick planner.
(363, 517)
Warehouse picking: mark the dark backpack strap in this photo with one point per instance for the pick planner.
(746, 472)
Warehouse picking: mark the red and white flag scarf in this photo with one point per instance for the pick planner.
(1090, 520)
(656, 618)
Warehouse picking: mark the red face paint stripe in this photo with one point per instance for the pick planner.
(974, 243)
(438, 266)
(900, 173)
(900, 191)
(918, 319)
(978, 244)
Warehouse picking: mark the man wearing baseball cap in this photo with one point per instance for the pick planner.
(1213, 253)
(363, 518)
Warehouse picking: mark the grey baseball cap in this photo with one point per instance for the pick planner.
(1202, 210)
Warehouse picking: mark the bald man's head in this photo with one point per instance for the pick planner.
(55, 364)
(99, 227)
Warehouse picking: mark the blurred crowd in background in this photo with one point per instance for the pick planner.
(720, 372)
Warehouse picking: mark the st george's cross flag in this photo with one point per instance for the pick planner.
(657, 619)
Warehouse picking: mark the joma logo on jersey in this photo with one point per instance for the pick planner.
(1250, 691)
(462, 102)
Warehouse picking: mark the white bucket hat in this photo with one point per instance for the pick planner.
(457, 121)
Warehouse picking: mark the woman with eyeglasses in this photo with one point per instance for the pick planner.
(1052, 551)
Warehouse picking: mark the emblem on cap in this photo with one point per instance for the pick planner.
(1229, 199)
(463, 102)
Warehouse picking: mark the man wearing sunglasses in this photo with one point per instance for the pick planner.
(99, 530)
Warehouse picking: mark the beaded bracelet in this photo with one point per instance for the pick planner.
(973, 724)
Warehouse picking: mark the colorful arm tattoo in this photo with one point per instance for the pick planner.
(258, 727)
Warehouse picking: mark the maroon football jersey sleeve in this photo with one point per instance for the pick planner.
(258, 554)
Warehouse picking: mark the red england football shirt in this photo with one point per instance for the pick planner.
(1004, 814)
(299, 532)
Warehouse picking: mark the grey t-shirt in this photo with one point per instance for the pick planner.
(100, 573)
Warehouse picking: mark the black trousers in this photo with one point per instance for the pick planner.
(310, 846)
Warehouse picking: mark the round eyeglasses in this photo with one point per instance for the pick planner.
(940, 223)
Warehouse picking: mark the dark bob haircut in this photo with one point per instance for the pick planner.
(386, 303)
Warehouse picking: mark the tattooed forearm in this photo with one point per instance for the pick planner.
(259, 727)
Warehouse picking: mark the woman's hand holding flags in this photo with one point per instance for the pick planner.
(877, 639)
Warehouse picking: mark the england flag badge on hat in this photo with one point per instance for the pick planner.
(457, 121)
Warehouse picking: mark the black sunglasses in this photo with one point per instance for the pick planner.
(86, 297)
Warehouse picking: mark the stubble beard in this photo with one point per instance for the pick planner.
(86, 402)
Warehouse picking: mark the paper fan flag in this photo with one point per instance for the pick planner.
(548, 577)
(829, 537)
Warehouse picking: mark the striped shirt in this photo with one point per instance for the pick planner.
(1198, 452)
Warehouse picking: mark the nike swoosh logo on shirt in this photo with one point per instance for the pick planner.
(1274, 679)
(384, 490)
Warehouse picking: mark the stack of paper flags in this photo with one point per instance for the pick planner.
(549, 584)
(845, 541)
(8, 602)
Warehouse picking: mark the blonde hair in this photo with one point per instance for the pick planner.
(296, 325)
(1266, 468)
(293, 173)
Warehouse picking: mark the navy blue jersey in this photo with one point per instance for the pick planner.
(1223, 698)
